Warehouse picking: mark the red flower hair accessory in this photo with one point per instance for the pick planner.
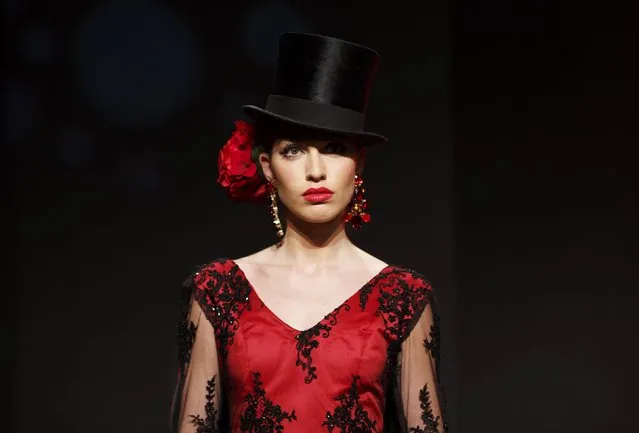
(238, 173)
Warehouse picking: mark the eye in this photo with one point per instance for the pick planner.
(291, 150)
(337, 147)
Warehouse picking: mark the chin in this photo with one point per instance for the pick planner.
(318, 214)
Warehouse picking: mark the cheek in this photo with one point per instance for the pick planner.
(287, 176)
(345, 174)
(344, 180)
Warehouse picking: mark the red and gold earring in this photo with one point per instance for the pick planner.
(356, 213)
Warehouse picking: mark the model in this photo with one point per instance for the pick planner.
(311, 334)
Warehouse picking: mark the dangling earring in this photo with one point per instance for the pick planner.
(275, 212)
(356, 214)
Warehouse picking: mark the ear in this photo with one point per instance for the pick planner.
(360, 159)
(265, 162)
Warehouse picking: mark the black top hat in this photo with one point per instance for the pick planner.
(321, 83)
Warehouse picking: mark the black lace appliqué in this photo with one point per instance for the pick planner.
(350, 416)
(364, 293)
(400, 306)
(186, 337)
(224, 292)
(186, 329)
(262, 415)
(431, 422)
(307, 340)
(432, 344)
(208, 424)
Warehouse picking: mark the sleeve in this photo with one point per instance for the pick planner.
(196, 400)
(418, 392)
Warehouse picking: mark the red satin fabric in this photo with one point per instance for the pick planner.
(347, 350)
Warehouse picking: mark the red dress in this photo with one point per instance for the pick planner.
(242, 369)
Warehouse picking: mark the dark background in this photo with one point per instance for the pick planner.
(507, 181)
(545, 124)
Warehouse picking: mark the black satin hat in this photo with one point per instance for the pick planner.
(321, 83)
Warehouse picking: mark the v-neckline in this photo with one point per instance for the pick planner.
(366, 285)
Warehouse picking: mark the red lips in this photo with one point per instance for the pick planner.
(317, 195)
(321, 190)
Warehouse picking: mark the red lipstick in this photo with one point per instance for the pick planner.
(317, 195)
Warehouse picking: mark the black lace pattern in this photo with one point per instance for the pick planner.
(224, 294)
(208, 424)
(261, 414)
(186, 329)
(185, 339)
(364, 294)
(432, 344)
(350, 416)
(431, 422)
(401, 303)
(308, 340)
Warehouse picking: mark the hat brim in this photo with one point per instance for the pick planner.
(367, 138)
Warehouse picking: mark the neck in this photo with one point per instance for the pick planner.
(319, 244)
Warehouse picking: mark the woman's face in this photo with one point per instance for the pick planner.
(314, 178)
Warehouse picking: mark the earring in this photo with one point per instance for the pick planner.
(275, 212)
(356, 214)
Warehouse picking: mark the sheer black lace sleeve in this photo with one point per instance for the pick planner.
(196, 399)
(418, 392)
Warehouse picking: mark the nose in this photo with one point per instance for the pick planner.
(315, 168)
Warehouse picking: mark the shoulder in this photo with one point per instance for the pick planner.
(218, 287)
(407, 290)
(405, 297)
(370, 260)
(411, 281)
(208, 276)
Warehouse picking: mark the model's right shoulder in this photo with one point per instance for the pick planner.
(207, 276)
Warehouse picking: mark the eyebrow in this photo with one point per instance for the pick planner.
(283, 142)
(304, 143)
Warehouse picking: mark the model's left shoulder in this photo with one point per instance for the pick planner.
(413, 279)
(410, 278)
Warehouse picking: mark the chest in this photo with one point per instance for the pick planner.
(301, 301)
(341, 332)
(329, 349)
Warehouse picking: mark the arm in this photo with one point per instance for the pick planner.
(417, 378)
(197, 397)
